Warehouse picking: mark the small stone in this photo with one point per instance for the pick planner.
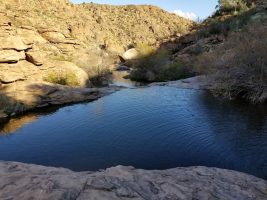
(131, 54)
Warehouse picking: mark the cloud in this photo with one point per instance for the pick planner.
(188, 15)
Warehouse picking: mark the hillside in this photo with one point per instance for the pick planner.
(115, 27)
(229, 48)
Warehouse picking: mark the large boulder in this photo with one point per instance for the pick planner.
(30, 36)
(26, 95)
(131, 54)
(65, 68)
(22, 70)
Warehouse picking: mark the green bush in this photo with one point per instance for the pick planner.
(230, 7)
(175, 71)
(225, 24)
(157, 67)
(144, 49)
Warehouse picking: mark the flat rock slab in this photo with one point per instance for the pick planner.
(25, 181)
(197, 82)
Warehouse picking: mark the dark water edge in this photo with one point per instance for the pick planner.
(149, 128)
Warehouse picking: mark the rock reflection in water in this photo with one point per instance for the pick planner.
(119, 78)
(16, 123)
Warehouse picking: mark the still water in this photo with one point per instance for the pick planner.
(155, 127)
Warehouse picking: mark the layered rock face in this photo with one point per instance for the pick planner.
(23, 181)
(114, 28)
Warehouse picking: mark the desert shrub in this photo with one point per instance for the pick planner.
(157, 67)
(69, 79)
(225, 24)
(175, 71)
(230, 7)
(145, 49)
(99, 75)
(149, 66)
(239, 67)
(96, 65)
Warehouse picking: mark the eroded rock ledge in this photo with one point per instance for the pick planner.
(24, 181)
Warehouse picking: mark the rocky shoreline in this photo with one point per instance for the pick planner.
(197, 83)
(27, 181)
(51, 94)
(54, 94)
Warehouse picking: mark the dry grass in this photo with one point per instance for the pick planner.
(99, 75)
(69, 79)
(145, 49)
(239, 67)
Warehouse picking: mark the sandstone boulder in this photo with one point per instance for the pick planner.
(54, 37)
(11, 56)
(30, 36)
(65, 68)
(12, 42)
(22, 70)
(30, 94)
(131, 54)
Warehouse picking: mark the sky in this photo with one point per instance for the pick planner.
(188, 8)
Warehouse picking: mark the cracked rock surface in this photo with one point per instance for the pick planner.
(26, 181)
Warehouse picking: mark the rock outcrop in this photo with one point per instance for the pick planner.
(24, 181)
(90, 25)
(23, 96)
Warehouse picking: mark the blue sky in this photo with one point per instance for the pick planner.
(199, 8)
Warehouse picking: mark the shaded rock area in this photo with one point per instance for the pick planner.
(24, 181)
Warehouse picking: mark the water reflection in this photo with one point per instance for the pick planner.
(241, 129)
(17, 122)
(252, 117)
(119, 78)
